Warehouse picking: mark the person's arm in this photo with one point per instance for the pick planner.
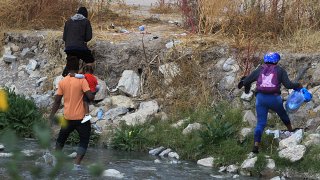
(286, 81)
(88, 31)
(55, 107)
(252, 77)
(89, 95)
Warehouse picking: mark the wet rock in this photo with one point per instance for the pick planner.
(1, 147)
(157, 161)
(174, 155)
(6, 155)
(165, 152)
(293, 153)
(73, 155)
(191, 127)
(235, 176)
(156, 151)
(247, 165)
(232, 168)
(28, 153)
(222, 169)
(129, 83)
(208, 162)
(113, 173)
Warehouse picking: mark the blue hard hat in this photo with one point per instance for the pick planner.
(271, 57)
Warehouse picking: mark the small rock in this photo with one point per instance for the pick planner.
(232, 168)
(1, 147)
(9, 58)
(5, 155)
(165, 152)
(235, 176)
(28, 153)
(113, 173)
(191, 127)
(208, 162)
(157, 161)
(174, 155)
(222, 169)
(156, 151)
(73, 155)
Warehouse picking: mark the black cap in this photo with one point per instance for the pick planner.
(83, 11)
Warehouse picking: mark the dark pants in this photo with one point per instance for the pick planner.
(85, 55)
(264, 102)
(83, 129)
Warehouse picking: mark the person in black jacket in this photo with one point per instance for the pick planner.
(269, 77)
(77, 32)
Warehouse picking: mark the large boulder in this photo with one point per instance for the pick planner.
(102, 93)
(208, 162)
(293, 153)
(122, 101)
(129, 83)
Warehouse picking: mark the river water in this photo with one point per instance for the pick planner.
(133, 165)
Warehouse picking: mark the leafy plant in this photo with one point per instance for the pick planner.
(21, 115)
(74, 138)
(128, 138)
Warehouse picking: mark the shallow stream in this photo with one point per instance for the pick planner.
(133, 165)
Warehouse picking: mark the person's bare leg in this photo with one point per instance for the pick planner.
(78, 159)
(86, 107)
(289, 127)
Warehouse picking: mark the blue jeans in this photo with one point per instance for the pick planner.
(264, 102)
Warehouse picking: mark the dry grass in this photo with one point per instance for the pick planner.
(36, 14)
(164, 7)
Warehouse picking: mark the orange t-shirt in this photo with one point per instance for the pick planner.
(72, 90)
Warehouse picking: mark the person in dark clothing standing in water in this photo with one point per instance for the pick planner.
(73, 90)
(269, 77)
(77, 32)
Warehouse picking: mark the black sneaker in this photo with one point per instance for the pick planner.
(255, 149)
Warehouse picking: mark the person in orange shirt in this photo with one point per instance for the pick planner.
(73, 90)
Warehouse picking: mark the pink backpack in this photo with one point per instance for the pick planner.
(268, 79)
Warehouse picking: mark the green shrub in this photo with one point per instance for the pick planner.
(128, 138)
(74, 138)
(223, 123)
(21, 115)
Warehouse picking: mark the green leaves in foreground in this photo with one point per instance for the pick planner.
(128, 138)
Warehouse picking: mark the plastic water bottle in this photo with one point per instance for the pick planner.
(294, 101)
(141, 28)
(100, 114)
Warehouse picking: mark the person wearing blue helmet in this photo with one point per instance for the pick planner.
(269, 78)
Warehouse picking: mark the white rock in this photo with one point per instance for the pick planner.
(222, 168)
(293, 140)
(174, 155)
(312, 139)
(1, 147)
(179, 123)
(157, 161)
(122, 101)
(293, 153)
(227, 82)
(228, 64)
(191, 127)
(232, 168)
(129, 83)
(156, 151)
(244, 133)
(208, 162)
(73, 155)
(31, 66)
(247, 97)
(250, 118)
(276, 178)
(235, 176)
(9, 58)
(165, 152)
(271, 164)
(169, 70)
(6, 155)
(102, 93)
(249, 163)
(113, 173)
(28, 153)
